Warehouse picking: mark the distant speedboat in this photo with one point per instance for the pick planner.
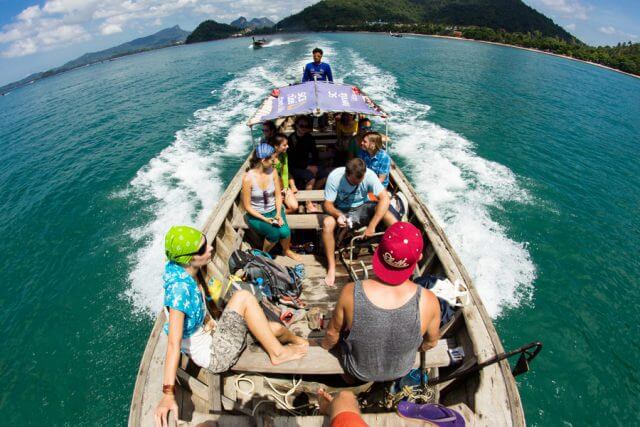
(395, 35)
(258, 43)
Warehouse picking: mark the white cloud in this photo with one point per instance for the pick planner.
(108, 29)
(60, 23)
(20, 48)
(611, 31)
(50, 36)
(63, 22)
(570, 27)
(568, 8)
(30, 13)
(67, 6)
(607, 30)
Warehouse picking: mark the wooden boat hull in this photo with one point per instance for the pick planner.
(488, 398)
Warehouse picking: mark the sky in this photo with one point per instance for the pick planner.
(39, 35)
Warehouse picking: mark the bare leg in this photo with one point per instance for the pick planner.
(267, 245)
(286, 249)
(245, 304)
(345, 401)
(329, 225)
(389, 219)
(291, 202)
(310, 206)
(285, 336)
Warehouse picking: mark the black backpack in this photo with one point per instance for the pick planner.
(279, 279)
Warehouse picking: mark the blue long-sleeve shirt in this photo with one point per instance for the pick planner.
(321, 70)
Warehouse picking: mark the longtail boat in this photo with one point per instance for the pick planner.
(479, 382)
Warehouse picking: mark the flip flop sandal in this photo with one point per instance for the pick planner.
(434, 413)
(289, 316)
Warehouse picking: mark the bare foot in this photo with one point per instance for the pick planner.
(296, 340)
(294, 256)
(288, 353)
(330, 280)
(312, 208)
(324, 401)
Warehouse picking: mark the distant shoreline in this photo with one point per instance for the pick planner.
(505, 45)
(328, 32)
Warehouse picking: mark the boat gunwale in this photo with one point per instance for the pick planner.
(448, 259)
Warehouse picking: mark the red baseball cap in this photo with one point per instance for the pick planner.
(397, 254)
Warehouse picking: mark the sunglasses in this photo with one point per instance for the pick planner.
(200, 251)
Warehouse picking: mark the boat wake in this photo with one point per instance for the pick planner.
(181, 184)
(460, 188)
(280, 42)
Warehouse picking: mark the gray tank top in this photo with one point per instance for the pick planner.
(382, 343)
(264, 201)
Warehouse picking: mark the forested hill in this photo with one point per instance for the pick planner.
(210, 30)
(509, 15)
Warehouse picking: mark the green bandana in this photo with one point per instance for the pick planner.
(179, 240)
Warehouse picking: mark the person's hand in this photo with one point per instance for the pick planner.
(326, 344)
(370, 231)
(280, 221)
(294, 189)
(167, 404)
(342, 221)
(426, 345)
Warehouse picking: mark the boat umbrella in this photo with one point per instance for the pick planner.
(315, 97)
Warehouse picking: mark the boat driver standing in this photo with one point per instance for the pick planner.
(317, 69)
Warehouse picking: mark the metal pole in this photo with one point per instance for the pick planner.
(387, 146)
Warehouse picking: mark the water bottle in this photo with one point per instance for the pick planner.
(259, 282)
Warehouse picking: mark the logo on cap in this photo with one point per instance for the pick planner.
(389, 259)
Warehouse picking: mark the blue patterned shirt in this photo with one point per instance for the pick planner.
(181, 293)
(380, 164)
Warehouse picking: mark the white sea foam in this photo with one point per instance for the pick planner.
(461, 189)
(280, 42)
(183, 182)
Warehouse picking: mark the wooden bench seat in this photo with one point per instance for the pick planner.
(310, 195)
(321, 362)
(296, 222)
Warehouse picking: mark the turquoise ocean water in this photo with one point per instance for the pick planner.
(530, 162)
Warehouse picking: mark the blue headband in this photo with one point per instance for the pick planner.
(264, 151)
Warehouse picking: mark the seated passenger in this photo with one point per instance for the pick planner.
(375, 157)
(269, 131)
(347, 200)
(281, 144)
(303, 158)
(346, 132)
(190, 328)
(389, 318)
(364, 126)
(265, 213)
